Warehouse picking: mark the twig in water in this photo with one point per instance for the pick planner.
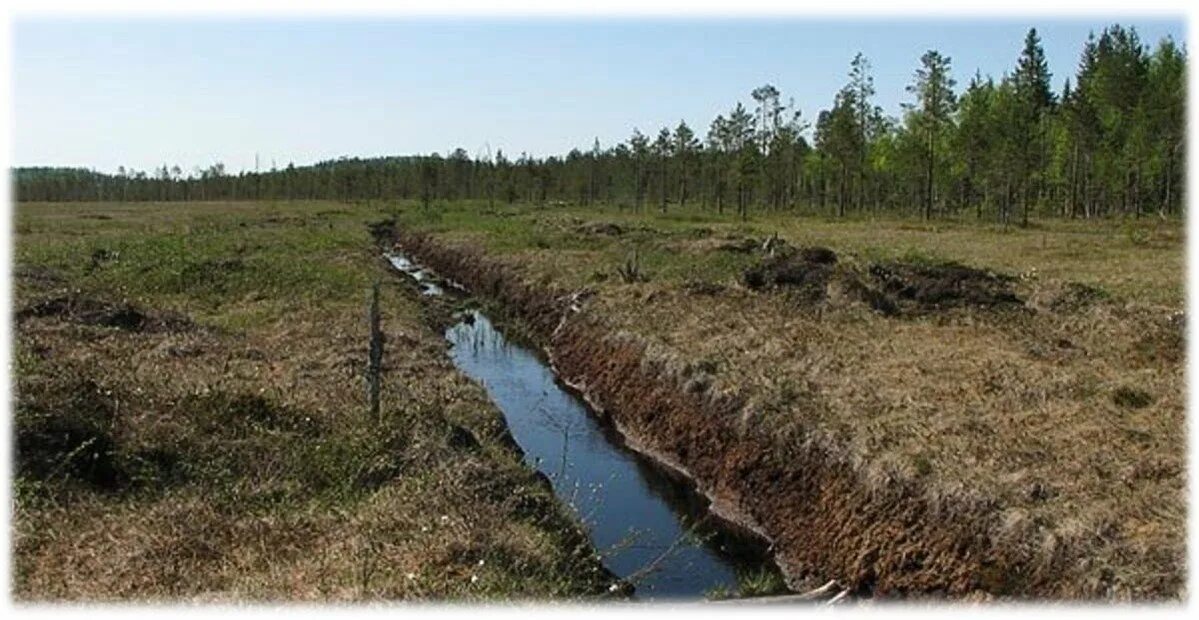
(653, 564)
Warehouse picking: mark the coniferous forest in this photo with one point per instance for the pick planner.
(1005, 149)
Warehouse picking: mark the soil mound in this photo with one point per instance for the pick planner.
(101, 313)
(601, 228)
(69, 435)
(946, 285)
(806, 271)
(893, 288)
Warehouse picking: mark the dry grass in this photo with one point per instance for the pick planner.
(1066, 421)
(230, 455)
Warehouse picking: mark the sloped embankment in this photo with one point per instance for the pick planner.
(826, 520)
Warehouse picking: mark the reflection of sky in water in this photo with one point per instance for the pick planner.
(625, 507)
(644, 524)
(423, 277)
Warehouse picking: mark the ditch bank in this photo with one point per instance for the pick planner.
(653, 531)
(826, 516)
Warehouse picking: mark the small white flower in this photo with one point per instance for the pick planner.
(445, 519)
(424, 528)
(411, 576)
(474, 578)
(480, 562)
(614, 587)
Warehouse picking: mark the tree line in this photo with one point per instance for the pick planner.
(1110, 142)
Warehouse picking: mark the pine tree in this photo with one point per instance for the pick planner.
(1035, 98)
(684, 147)
(935, 103)
(861, 85)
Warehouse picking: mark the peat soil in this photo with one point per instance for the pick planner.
(654, 530)
(823, 521)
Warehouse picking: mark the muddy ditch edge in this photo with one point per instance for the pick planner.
(823, 519)
(438, 320)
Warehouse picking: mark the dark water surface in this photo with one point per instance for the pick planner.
(649, 527)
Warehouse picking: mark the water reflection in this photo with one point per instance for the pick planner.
(423, 277)
(650, 528)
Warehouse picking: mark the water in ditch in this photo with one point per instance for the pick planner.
(650, 527)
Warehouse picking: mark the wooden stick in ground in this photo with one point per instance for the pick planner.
(810, 596)
(818, 592)
(375, 355)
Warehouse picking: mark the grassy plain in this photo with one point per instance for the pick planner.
(1063, 417)
(191, 421)
(1139, 260)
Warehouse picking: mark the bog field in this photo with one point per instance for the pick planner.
(191, 421)
(899, 408)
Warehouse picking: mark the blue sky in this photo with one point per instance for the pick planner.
(141, 93)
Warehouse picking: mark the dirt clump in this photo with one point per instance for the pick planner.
(600, 228)
(818, 255)
(945, 285)
(892, 288)
(806, 271)
(100, 313)
(1131, 398)
(879, 301)
(66, 432)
